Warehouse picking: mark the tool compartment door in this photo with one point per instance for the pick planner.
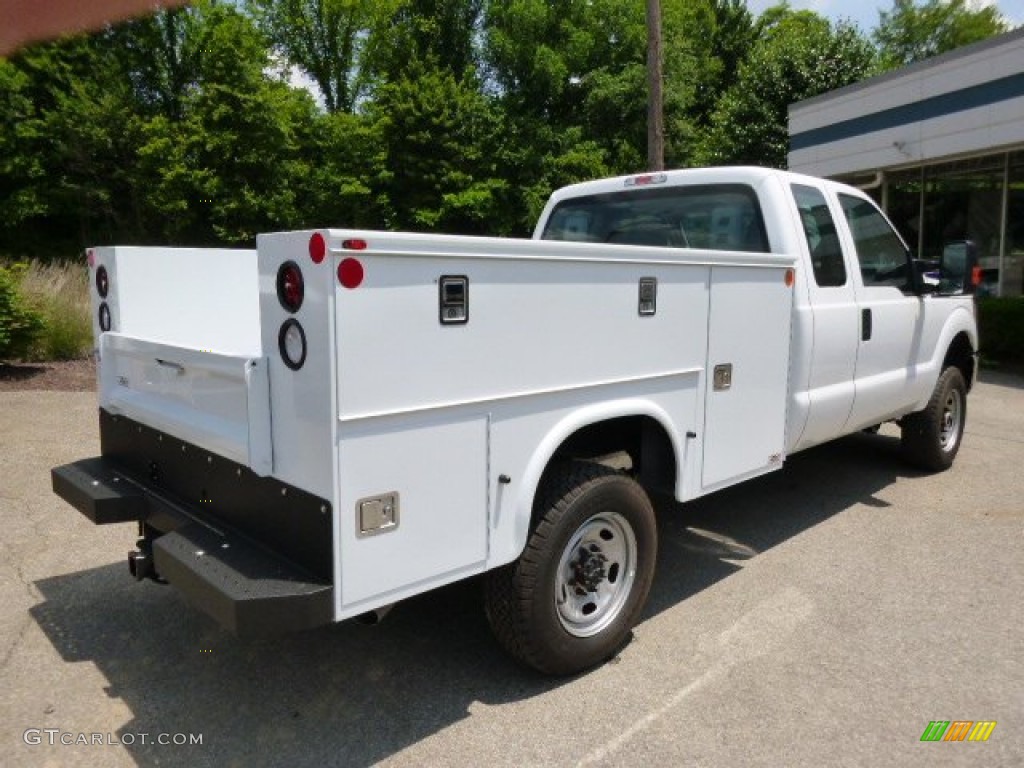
(747, 373)
(413, 510)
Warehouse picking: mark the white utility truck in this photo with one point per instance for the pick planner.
(341, 419)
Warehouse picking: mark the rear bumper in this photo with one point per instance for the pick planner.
(243, 585)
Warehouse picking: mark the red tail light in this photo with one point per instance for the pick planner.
(290, 288)
(102, 282)
(976, 276)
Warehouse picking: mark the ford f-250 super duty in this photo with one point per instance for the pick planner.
(340, 419)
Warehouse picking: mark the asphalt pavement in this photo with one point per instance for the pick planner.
(820, 616)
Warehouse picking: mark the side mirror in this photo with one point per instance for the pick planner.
(958, 268)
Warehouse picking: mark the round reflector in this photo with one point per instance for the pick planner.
(291, 341)
(290, 288)
(350, 273)
(317, 247)
(104, 317)
(102, 282)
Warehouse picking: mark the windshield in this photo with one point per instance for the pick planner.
(723, 217)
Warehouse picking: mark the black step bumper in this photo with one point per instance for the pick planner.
(244, 586)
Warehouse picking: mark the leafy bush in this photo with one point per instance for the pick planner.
(20, 324)
(1001, 327)
(60, 293)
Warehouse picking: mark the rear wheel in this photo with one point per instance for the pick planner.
(571, 599)
(932, 437)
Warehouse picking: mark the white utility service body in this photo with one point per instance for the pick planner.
(342, 419)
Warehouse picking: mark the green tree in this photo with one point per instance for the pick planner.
(799, 55)
(22, 173)
(20, 324)
(74, 144)
(160, 55)
(244, 134)
(325, 39)
(730, 32)
(438, 174)
(442, 32)
(910, 32)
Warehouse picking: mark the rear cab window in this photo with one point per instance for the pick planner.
(822, 238)
(723, 217)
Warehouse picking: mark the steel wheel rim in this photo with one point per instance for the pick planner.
(952, 413)
(595, 574)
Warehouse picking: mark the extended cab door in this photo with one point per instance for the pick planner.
(830, 386)
(891, 316)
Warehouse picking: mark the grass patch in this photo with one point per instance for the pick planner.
(60, 293)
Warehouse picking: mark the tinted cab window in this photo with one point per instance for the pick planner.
(884, 259)
(725, 217)
(822, 239)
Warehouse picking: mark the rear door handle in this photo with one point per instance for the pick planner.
(865, 325)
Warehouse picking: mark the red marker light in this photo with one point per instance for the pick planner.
(790, 278)
(354, 245)
(976, 276)
(90, 256)
(350, 273)
(317, 247)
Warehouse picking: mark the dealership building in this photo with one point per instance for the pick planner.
(940, 145)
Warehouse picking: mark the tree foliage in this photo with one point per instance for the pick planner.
(20, 324)
(325, 40)
(800, 55)
(910, 32)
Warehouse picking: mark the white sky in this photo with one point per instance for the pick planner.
(865, 12)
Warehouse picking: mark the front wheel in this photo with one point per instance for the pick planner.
(571, 599)
(932, 437)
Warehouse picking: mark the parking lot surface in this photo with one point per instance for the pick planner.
(823, 615)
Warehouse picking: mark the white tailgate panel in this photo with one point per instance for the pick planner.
(218, 402)
(749, 328)
(438, 467)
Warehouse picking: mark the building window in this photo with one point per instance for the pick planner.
(964, 201)
(903, 205)
(1013, 258)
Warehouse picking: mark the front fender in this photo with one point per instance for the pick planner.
(960, 320)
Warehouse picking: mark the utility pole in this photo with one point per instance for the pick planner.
(655, 100)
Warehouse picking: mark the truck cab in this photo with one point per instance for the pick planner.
(870, 336)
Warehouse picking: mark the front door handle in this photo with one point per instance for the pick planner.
(865, 325)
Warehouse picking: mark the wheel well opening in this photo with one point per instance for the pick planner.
(637, 444)
(961, 354)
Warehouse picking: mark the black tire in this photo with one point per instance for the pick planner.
(594, 532)
(932, 437)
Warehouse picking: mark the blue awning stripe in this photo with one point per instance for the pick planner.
(982, 95)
